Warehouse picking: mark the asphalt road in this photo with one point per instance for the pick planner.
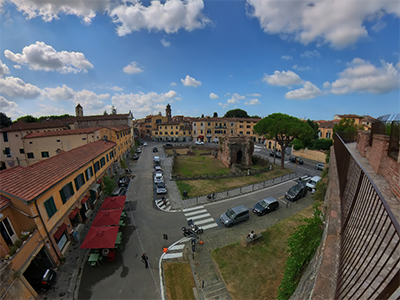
(126, 277)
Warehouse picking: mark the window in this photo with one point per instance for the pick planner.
(30, 155)
(166, 133)
(248, 132)
(5, 137)
(176, 127)
(201, 124)
(16, 135)
(79, 181)
(241, 126)
(156, 133)
(201, 131)
(45, 154)
(30, 142)
(66, 192)
(117, 136)
(58, 141)
(248, 126)
(50, 206)
(209, 123)
(172, 133)
(111, 155)
(96, 166)
(176, 133)
(158, 121)
(22, 151)
(107, 157)
(194, 132)
(89, 173)
(7, 151)
(84, 139)
(165, 127)
(208, 131)
(231, 131)
(184, 133)
(241, 132)
(328, 135)
(102, 161)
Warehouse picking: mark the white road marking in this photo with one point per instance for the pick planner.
(195, 212)
(177, 247)
(192, 208)
(173, 255)
(201, 216)
(205, 221)
(209, 226)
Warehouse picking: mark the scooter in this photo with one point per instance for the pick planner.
(192, 229)
(211, 196)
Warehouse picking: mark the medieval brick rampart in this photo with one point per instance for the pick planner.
(234, 148)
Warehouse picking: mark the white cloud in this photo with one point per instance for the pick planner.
(327, 85)
(286, 57)
(16, 87)
(48, 110)
(116, 88)
(17, 67)
(169, 16)
(4, 70)
(213, 96)
(398, 65)
(282, 78)
(223, 105)
(173, 83)
(378, 26)
(252, 102)
(362, 76)
(144, 104)
(40, 56)
(178, 98)
(132, 68)
(6, 105)
(311, 54)
(189, 81)
(339, 23)
(235, 98)
(59, 93)
(253, 95)
(296, 67)
(308, 91)
(10, 108)
(165, 43)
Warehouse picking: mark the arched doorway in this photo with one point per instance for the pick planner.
(269, 145)
(239, 157)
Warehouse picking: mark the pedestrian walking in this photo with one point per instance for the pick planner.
(145, 260)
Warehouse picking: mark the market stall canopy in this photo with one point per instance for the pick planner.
(113, 202)
(100, 237)
(107, 217)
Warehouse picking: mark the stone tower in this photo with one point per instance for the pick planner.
(236, 149)
(168, 112)
(79, 110)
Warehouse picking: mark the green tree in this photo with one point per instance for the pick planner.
(113, 110)
(123, 163)
(346, 125)
(109, 185)
(27, 119)
(236, 113)
(202, 115)
(4, 120)
(297, 144)
(284, 129)
(255, 117)
(215, 115)
(53, 117)
(105, 113)
(323, 144)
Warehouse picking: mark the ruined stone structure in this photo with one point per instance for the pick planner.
(236, 149)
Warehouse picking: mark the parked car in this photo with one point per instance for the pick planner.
(160, 188)
(296, 192)
(313, 182)
(135, 157)
(235, 215)
(157, 168)
(320, 166)
(43, 279)
(158, 178)
(169, 145)
(138, 150)
(145, 144)
(199, 143)
(276, 153)
(293, 159)
(155, 149)
(265, 206)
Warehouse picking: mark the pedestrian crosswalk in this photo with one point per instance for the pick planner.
(200, 216)
(164, 205)
(176, 250)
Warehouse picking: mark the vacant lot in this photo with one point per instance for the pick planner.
(198, 164)
(179, 281)
(255, 272)
(204, 186)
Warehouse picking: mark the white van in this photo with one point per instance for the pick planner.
(313, 182)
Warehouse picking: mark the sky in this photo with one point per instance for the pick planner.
(309, 59)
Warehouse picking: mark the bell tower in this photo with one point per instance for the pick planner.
(168, 112)
(79, 110)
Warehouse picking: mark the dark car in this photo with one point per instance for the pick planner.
(277, 154)
(42, 280)
(135, 157)
(296, 192)
(265, 206)
(155, 149)
(293, 159)
(169, 145)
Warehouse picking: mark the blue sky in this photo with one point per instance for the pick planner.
(309, 59)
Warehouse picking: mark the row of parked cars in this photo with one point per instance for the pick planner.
(159, 176)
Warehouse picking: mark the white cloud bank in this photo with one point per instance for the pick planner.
(213, 96)
(40, 56)
(282, 78)
(132, 68)
(252, 102)
(4, 70)
(189, 81)
(16, 87)
(308, 91)
(338, 23)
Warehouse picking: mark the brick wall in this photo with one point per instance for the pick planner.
(379, 160)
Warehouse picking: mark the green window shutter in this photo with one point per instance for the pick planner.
(62, 196)
(86, 175)
(83, 179)
(71, 188)
(76, 183)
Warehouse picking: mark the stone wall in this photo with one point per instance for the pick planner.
(230, 146)
(378, 158)
(317, 155)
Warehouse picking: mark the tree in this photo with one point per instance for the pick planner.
(215, 115)
(113, 110)
(323, 144)
(109, 185)
(202, 115)
(27, 119)
(255, 117)
(236, 113)
(284, 129)
(4, 120)
(105, 113)
(297, 144)
(346, 125)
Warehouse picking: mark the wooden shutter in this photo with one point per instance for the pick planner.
(62, 196)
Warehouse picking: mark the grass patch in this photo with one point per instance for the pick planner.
(179, 281)
(204, 186)
(256, 272)
(198, 164)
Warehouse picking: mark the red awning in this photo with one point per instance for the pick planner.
(100, 237)
(201, 137)
(113, 202)
(100, 181)
(60, 231)
(107, 217)
(74, 212)
(86, 198)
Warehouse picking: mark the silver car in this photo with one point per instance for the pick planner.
(235, 215)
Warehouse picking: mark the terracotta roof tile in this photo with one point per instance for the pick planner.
(61, 132)
(29, 182)
(118, 128)
(4, 202)
(349, 116)
(33, 126)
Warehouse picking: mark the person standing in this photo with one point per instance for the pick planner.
(145, 260)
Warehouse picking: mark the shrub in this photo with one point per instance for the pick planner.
(323, 144)
(18, 243)
(109, 185)
(297, 144)
(123, 163)
(13, 249)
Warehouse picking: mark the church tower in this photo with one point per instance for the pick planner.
(79, 110)
(168, 112)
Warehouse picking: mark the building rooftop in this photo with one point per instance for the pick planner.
(4, 202)
(18, 126)
(30, 182)
(118, 128)
(61, 132)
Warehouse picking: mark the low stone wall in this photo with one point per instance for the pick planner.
(319, 280)
(317, 155)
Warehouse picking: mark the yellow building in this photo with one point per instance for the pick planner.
(50, 200)
(173, 131)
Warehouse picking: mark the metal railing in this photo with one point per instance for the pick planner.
(369, 261)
